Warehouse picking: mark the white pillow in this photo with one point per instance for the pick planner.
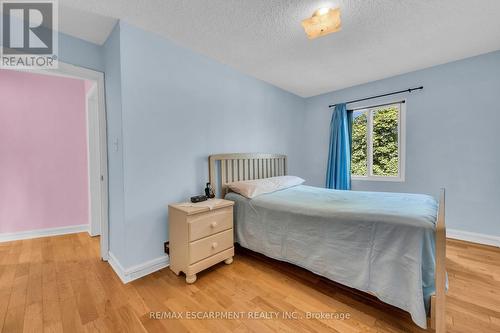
(253, 188)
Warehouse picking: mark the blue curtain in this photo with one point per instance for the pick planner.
(338, 173)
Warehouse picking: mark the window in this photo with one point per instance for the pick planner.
(378, 143)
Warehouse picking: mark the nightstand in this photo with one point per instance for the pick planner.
(200, 236)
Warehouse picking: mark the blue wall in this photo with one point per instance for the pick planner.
(80, 53)
(452, 135)
(178, 107)
(112, 62)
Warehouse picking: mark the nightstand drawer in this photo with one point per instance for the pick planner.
(210, 261)
(210, 223)
(209, 246)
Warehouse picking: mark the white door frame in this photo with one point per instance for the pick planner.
(72, 71)
(94, 163)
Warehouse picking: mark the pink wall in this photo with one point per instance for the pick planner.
(43, 152)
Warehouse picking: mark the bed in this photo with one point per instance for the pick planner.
(390, 245)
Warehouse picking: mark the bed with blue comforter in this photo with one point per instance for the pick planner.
(379, 243)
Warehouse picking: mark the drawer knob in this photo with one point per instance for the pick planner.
(214, 245)
(213, 224)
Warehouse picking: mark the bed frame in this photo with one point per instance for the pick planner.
(227, 168)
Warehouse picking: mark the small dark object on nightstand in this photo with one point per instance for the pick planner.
(209, 191)
(198, 198)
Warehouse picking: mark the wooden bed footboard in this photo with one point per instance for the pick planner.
(438, 300)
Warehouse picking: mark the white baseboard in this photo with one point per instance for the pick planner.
(473, 237)
(138, 271)
(13, 236)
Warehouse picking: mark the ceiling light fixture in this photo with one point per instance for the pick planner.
(324, 21)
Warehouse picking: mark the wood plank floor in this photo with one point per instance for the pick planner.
(58, 284)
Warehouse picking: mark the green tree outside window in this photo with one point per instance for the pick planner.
(384, 142)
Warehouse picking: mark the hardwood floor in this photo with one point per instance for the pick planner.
(58, 284)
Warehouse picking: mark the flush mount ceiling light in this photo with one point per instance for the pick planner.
(323, 22)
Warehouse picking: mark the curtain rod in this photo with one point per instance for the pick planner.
(409, 90)
(376, 106)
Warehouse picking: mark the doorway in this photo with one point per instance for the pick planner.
(96, 147)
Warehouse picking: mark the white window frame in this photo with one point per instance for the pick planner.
(369, 145)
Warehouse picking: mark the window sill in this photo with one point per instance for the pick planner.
(378, 179)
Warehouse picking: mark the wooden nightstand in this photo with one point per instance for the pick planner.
(200, 236)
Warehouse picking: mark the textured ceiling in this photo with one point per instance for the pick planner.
(264, 38)
(85, 25)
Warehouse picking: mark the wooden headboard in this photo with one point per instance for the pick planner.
(242, 166)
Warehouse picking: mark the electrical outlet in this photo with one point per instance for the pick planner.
(166, 247)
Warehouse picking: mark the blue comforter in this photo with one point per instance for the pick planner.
(380, 243)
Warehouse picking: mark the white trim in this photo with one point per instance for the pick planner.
(378, 179)
(369, 144)
(473, 237)
(117, 267)
(72, 71)
(93, 160)
(92, 90)
(29, 234)
(137, 271)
